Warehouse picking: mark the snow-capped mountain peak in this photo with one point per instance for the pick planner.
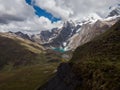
(114, 10)
(92, 18)
(69, 23)
(114, 7)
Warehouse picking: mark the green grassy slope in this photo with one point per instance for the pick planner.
(16, 52)
(98, 62)
(24, 65)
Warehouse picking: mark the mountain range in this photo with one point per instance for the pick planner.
(82, 54)
(74, 33)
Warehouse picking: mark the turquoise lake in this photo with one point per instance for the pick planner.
(59, 50)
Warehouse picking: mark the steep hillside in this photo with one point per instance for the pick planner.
(94, 66)
(98, 62)
(24, 65)
(15, 51)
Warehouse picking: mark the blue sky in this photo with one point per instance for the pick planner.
(41, 12)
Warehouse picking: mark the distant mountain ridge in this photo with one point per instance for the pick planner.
(74, 33)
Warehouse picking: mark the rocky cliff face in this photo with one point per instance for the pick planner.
(67, 31)
(89, 31)
(47, 35)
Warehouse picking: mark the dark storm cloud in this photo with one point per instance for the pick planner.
(5, 18)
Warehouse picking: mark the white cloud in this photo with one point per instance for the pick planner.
(31, 25)
(55, 7)
(17, 15)
(16, 8)
(76, 8)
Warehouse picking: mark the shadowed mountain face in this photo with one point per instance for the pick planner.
(47, 35)
(94, 65)
(60, 39)
(115, 12)
(67, 31)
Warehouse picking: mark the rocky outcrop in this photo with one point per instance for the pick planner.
(67, 31)
(22, 35)
(47, 35)
(65, 79)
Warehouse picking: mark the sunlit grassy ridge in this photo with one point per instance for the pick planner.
(98, 62)
(16, 51)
